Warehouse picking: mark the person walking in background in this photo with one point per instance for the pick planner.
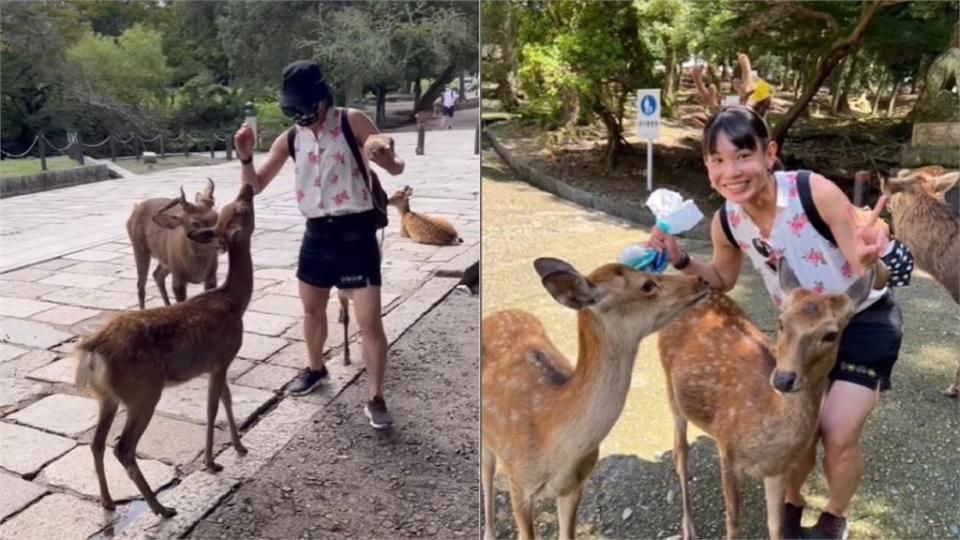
(449, 102)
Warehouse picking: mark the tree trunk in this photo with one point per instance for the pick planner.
(669, 98)
(417, 90)
(463, 84)
(841, 48)
(381, 115)
(836, 80)
(841, 104)
(876, 99)
(425, 103)
(893, 98)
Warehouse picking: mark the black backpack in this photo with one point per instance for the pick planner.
(370, 178)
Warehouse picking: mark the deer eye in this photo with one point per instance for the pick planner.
(780, 325)
(649, 286)
(830, 337)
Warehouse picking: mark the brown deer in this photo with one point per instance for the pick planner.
(929, 227)
(179, 235)
(543, 419)
(137, 353)
(420, 228)
(760, 406)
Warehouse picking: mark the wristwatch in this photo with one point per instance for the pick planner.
(247, 161)
(683, 262)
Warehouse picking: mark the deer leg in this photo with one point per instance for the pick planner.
(344, 319)
(211, 281)
(731, 492)
(488, 466)
(108, 410)
(567, 512)
(522, 511)
(142, 258)
(214, 392)
(179, 288)
(138, 418)
(775, 488)
(160, 276)
(228, 407)
(680, 450)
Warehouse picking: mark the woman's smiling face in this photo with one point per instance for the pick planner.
(738, 174)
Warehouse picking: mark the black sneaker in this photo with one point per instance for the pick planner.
(308, 380)
(790, 526)
(828, 526)
(376, 411)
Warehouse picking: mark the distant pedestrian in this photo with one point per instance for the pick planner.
(449, 102)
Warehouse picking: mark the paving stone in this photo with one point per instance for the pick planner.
(98, 269)
(22, 289)
(52, 264)
(17, 493)
(285, 288)
(270, 435)
(61, 371)
(268, 377)
(293, 356)
(9, 352)
(189, 401)
(22, 365)
(238, 367)
(278, 305)
(75, 471)
(13, 391)
(33, 334)
(59, 516)
(193, 499)
(172, 441)
(26, 274)
(65, 315)
(60, 413)
(22, 307)
(93, 325)
(83, 281)
(403, 316)
(91, 255)
(257, 347)
(266, 324)
(129, 286)
(278, 274)
(25, 450)
(93, 298)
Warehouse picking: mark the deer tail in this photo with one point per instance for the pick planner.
(89, 369)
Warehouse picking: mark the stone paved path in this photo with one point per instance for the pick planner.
(66, 267)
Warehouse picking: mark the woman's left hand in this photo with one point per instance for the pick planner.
(870, 240)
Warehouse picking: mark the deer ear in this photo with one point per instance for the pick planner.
(565, 284)
(788, 280)
(167, 221)
(943, 183)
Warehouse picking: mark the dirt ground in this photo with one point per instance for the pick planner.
(341, 479)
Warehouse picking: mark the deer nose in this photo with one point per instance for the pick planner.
(784, 382)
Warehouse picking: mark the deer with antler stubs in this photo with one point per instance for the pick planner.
(759, 403)
(710, 93)
(179, 235)
(542, 419)
(138, 353)
(929, 227)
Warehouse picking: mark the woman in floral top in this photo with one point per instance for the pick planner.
(766, 219)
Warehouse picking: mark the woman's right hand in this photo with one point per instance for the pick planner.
(243, 141)
(661, 241)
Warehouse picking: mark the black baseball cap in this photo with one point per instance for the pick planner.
(303, 85)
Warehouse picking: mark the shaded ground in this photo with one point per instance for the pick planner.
(341, 479)
(833, 146)
(910, 487)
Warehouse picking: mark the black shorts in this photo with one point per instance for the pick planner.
(870, 345)
(448, 111)
(340, 252)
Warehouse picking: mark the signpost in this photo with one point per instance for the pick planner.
(648, 125)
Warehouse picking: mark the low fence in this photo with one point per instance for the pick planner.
(133, 145)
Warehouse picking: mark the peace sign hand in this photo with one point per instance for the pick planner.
(870, 240)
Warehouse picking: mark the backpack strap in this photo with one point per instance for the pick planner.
(291, 136)
(354, 148)
(810, 209)
(725, 225)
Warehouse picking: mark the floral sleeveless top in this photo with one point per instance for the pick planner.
(328, 181)
(818, 264)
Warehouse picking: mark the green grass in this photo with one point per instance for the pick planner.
(27, 167)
